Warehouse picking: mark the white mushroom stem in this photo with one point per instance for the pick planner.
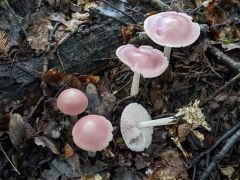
(167, 52)
(135, 84)
(159, 122)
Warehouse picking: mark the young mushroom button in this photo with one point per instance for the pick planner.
(144, 60)
(92, 133)
(171, 29)
(72, 101)
(137, 126)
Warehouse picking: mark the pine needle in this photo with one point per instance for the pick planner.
(4, 46)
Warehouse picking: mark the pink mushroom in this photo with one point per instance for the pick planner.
(72, 102)
(171, 29)
(92, 133)
(143, 60)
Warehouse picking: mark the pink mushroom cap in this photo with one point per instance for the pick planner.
(92, 133)
(145, 60)
(72, 101)
(172, 29)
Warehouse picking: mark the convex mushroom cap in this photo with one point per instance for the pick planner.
(145, 60)
(172, 29)
(72, 101)
(92, 133)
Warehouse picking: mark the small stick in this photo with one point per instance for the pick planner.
(213, 95)
(225, 136)
(159, 5)
(5, 154)
(230, 142)
(223, 58)
(114, 7)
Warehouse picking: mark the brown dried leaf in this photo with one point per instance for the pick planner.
(17, 130)
(45, 142)
(127, 32)
(173, 167)
(52, 76)
(89, 79)
(37, 33)
(183, 130)
(68, 151)
(57, 77)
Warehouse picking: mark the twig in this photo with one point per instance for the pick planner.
(114, 7)
(65, 38)
(223, 58)
(5, 154)
(35, 107)
(159, 4)
(230, 142)
(213, 95)
(194, 161)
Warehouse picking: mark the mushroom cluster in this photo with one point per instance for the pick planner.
(169, 29)
(92, 132)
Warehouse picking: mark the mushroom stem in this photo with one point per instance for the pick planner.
(160, 122)
(167, 52)
(135, 84)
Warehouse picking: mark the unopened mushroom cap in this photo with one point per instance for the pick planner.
(145, 60)
(72, 101)
(92, 133)
(172, 29)
(135, 138)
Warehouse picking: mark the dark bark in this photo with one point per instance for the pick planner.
(81, 53)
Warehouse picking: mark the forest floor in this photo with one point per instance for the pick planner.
(36, 138)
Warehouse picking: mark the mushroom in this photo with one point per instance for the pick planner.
(171, 29)
(72, 102)
(92, 133)
(137, 126)
(143, 60)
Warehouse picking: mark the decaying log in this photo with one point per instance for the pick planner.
(80, 53)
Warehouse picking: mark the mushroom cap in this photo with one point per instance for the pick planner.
(92, 133)
(135, 138)
(145, 60)
(72, 101)
(172, 29)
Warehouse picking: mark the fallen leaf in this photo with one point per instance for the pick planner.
(68, 151)
(69, 167)
(46, 142)
(17, 130)
(228, 171)
(173, 167)
(183, 130)
(37, 33)
(127, 32)
(4, 45)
